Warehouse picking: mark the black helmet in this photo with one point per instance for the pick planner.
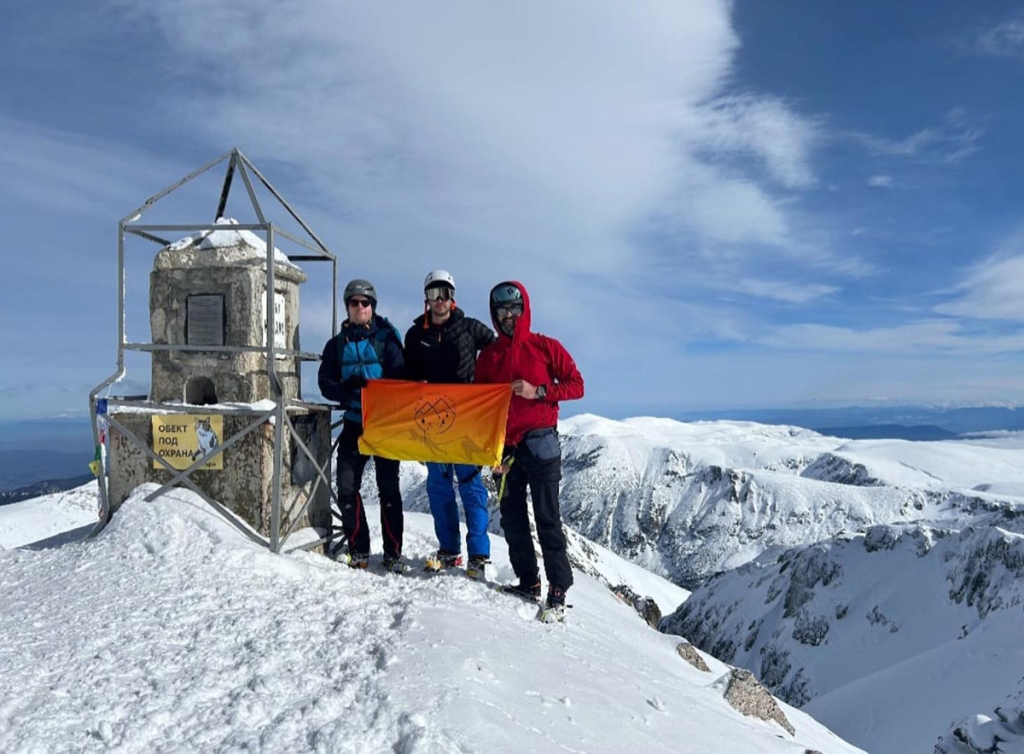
(360, 287)
(505, 294)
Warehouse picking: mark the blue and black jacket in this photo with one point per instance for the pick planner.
(356, 354)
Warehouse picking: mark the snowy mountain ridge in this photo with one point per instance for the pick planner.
(689, 500)
(172, 632)
(859, 620)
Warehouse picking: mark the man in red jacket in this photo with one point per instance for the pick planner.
(542, 373)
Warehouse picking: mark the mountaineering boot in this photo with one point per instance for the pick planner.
(442, 559)
(395, 564)
(360, 560)
(528, 592)
(554, 608)
(478, 567)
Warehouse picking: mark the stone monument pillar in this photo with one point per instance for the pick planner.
(209, 289)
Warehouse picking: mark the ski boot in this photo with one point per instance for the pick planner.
(441, 560)
(479, 567)
(528, 592)
(359, 560)
(395, 564)
(554, 608)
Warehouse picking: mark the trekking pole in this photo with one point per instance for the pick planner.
(507, 463)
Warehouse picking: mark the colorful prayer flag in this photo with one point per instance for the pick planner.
(420, 421)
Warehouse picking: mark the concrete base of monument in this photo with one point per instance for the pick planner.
(241, 477)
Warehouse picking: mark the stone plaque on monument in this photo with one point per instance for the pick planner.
(205, 320)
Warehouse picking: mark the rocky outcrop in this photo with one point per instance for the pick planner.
(746, 695)
(645, 607)
(689, 653)
(832, 468)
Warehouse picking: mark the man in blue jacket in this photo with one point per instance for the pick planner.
(366, 347)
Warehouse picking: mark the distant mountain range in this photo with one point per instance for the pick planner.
(46, 487)
(882, 418)
(918, 432)
(24, 468)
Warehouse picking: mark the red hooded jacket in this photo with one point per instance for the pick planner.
(539, 360)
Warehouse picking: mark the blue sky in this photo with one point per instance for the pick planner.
(715, 205)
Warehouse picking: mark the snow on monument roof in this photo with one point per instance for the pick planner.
(244, 244)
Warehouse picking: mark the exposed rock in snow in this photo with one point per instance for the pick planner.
(689, 653)
(748, 696)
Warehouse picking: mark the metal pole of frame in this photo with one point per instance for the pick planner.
(276, 388)
(101, 478)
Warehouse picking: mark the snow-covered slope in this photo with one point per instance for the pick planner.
(689, 499)
(39, 518)
(171, 632)
(890, 637)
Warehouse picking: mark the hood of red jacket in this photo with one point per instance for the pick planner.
(523, 324)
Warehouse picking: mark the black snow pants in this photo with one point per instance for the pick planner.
(537, 462)
(350, 466)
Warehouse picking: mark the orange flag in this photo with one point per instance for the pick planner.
(420, 421)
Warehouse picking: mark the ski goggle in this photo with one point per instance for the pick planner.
(443, 292)
(513, 310)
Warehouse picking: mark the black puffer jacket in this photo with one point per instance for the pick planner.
(445, 353)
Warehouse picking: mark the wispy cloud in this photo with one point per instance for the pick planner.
(950, 142)
(1003, 40)
(994, 288)
(935, 336)
(67, 172)
(763, 127)
(785, 291)
(880, 181)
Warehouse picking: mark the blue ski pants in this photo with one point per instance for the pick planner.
(441, 481)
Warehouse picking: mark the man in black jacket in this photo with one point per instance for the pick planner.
(442, 346)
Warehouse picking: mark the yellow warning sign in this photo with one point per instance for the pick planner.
(182, 439)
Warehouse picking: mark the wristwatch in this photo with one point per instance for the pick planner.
(542, 390)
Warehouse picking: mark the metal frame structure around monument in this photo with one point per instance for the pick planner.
(237, 164)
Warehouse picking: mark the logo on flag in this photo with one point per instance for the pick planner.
(435, 414)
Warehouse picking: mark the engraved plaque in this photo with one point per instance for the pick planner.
(204, 321)
(280, 340)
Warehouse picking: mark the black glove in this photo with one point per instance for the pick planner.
(354, 382)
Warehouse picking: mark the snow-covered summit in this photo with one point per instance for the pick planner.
(170, 631)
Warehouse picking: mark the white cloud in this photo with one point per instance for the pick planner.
(936, 336)
(781, 290)
(1004, 40)
(548, 131)
(994, 288)
(880, 181)
(764, 127)
(950, 142)
(66, 172)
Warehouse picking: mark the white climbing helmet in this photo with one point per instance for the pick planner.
(437, 278)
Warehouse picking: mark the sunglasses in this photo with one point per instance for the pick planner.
(360, 302)
(441, 293)
(515, 310)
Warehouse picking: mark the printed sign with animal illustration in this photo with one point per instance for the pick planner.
(182, 439)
